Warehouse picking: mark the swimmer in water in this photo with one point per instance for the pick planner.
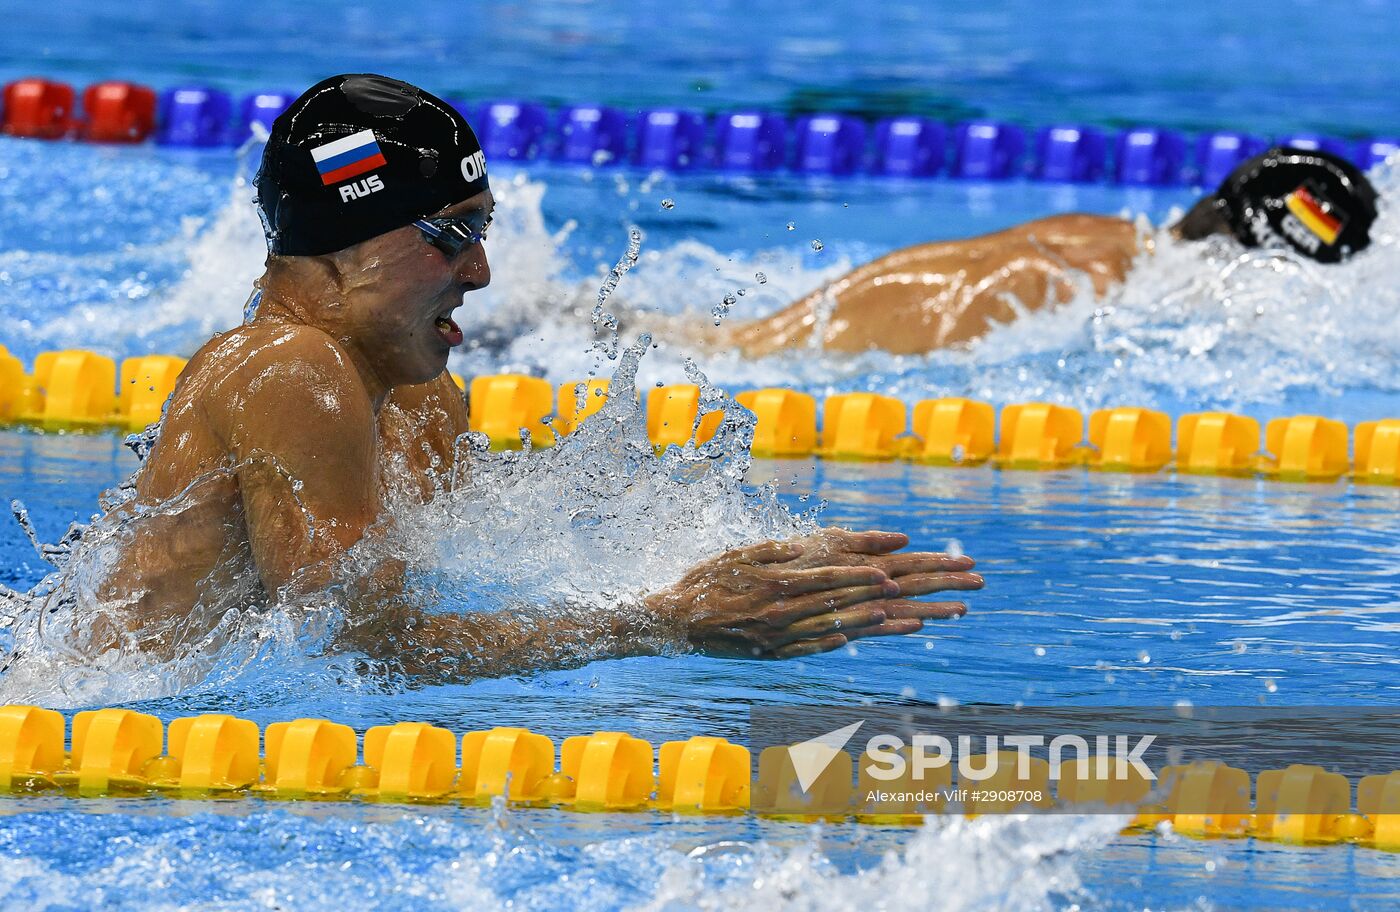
(282, 435)
(933, 296)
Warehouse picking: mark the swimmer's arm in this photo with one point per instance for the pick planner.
(457, 647)
(774, 600)
(299, 426)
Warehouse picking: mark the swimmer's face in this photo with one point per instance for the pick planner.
(403, 292)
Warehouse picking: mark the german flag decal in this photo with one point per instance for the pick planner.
(1316, 214)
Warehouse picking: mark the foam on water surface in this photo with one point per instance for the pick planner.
(384, 858)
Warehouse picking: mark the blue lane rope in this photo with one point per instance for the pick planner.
(760, 142)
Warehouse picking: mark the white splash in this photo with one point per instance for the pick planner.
(1000, 862)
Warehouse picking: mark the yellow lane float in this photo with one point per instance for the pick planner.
(308, 758)
(863, 426)
(1216, 443)
(79, 390)
(671, 414)
(1130, 440)
(703, 775)
(212, 753)
(111, 749)
(787, 422)
(508, 407)
(505, 761)
(577, 401)
(780, 791)
(1378, 452)
(952, 432)
(1039, 435)
(16, 387)
(146, 383)
(1305, 448)
(611, 771)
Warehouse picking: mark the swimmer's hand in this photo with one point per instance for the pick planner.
(782, 600)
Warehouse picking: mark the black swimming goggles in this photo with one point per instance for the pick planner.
(453, 235)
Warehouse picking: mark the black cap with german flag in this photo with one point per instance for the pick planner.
(359, 155)
(1319, 204)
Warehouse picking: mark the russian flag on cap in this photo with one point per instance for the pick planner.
(347, 157)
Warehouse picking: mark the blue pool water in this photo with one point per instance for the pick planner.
(1102, 590)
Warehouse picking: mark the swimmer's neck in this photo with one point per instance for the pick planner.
(275, 307)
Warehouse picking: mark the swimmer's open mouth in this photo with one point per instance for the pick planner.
(449, 330)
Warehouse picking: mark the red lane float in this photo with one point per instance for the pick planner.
(117, 112)
(37, 109)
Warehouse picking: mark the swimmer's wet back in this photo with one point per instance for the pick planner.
(360, 155)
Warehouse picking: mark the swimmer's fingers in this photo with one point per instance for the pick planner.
(901, 618)
(786, 612)
(904, 617)
(818, 579)
(894, 627)
(771, 552)
(810, 647)
(819, 625)
(912, 562)
(829, 642)
(904, 609)
(925, 583)
(869, 542)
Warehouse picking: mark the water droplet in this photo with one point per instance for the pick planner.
(816, 244)
(721, 310)
(954, 548)
(1143, 657)
(1270, 685)
(791, 226)
(762, 279)
(668, 203)
(1040, 650)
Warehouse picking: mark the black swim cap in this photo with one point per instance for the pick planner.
(1321, 205)
(360, 155)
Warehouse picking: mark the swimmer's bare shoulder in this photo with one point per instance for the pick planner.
(283, 406)
(201, 417)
